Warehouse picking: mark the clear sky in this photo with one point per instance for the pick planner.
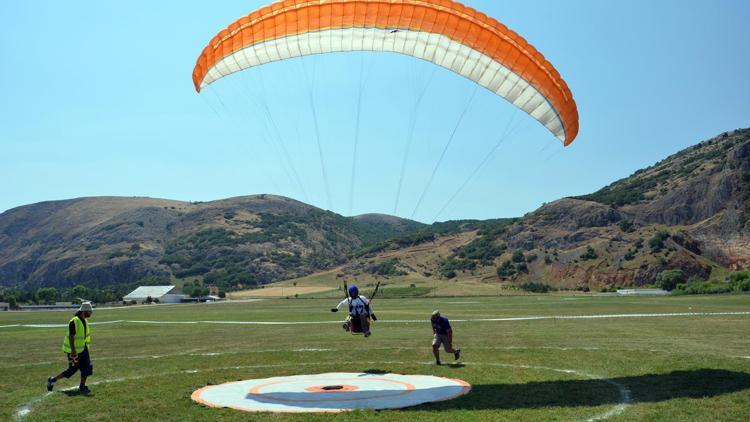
(97, 99)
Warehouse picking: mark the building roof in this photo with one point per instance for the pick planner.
(146, 291)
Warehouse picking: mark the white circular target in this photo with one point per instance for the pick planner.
(332, 392)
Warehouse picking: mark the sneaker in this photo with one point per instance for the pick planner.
(367, 334)
(457, 355)
(51, 383)
(437, 362)
(84, 390)
(345, 326)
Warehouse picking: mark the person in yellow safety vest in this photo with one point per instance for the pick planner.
(76, 347)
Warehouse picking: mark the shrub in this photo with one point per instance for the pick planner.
(453, 264)
(669, 279)
(626, 226)
(387, 268)
(657, 242)
(46, 295)
(518, 256)
(740, 281)
(506, 270)
(589, 254)
(535, 287)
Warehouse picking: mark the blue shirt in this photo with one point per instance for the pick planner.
(441, 325)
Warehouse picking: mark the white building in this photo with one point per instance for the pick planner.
(165, 294)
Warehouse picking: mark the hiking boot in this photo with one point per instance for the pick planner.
(83, 390)
(457, 355)
(51, 383)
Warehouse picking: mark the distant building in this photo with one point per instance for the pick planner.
(165, 294)
(642, 292)
(4, 306)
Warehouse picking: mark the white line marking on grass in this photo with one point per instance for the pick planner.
(317, 350)
(401, 321)
(625, 394)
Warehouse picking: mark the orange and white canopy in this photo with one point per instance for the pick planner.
(443, 32)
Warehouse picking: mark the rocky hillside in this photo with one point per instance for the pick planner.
(690, 211)
(231, 243)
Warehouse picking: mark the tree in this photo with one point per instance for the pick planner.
(46, 294)
(669, 279)
(626, 226)
(506, 270)
(589, 254)
(80, 292)
(657, 242)
(12, 304)
(740, 280)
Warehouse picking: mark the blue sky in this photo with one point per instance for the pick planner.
(97, 99)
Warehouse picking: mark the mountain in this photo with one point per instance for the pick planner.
(232, 243)
(690, 211)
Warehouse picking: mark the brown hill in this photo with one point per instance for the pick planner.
(233, 243)
(690, 211)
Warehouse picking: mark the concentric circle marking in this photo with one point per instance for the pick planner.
(331, 392)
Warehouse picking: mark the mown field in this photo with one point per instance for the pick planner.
(685, 367)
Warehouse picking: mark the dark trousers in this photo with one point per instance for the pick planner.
(82, 363)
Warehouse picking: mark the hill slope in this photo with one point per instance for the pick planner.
(690, 211)
(231, 243)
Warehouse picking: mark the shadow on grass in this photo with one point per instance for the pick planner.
(375, 371)
(75, 393)
(700, 383)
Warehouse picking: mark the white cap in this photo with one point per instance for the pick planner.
(86, 307)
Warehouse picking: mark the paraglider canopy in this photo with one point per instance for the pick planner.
(443, 32)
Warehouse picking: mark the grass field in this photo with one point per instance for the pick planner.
(682, 367)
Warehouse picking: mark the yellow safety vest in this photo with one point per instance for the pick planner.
(81, 339)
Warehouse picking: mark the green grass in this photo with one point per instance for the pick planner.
(672, 368)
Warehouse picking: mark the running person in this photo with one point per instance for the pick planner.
(76, 346)
(442, 333)
(359, 308)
